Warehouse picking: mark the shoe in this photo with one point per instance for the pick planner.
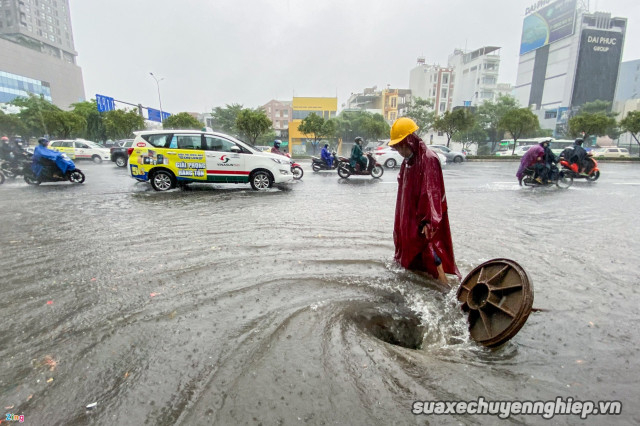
(539, 180)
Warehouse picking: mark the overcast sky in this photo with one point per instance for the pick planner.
(216, 52)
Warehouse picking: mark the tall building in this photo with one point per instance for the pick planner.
(280, 113)
(568, 57)
(475, 75)
(37, 53)
(433, 83)
(628, 81)
(390, 103)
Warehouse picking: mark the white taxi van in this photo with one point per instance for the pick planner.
(80, 149)
(166, 158)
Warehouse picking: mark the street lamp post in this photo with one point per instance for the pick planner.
(159, 99)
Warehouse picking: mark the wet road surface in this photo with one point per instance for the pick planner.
(221, 305)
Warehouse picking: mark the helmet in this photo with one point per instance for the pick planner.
(547, 141)
(579, 141)
(402, 128)
(326, 145)
(277, 143)
(43, 141)
(359, 139)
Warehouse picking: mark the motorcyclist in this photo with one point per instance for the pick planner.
(579, 154)
(544, 168)
(276, 147)
(326, 155)
(44, 164)
(5, 149)
(532, 156)
(356, 155)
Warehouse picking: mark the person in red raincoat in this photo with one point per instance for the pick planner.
(421, 231)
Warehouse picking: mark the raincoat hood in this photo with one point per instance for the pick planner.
(422, 201)
(529, 158)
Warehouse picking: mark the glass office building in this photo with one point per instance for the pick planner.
(13, 86)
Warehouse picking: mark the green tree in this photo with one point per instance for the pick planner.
(519, 122)
(317, 128)
(491, 112)
(11, 125)
(33, 109)
(94, 130)
(119, 124)
(224, 119)
(252, 123)
(459, 120)
(350, 124)
(591, 124)
(421, 111)
(631, 124)
(64, 124)
(473, 135)
(182, 120)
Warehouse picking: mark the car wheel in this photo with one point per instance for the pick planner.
(96, 159)
(458, 159)
(377, 172)
(316, 167)
(121, 161)
(261, 180)
(297, 172)
(76, 176)
(594, 176)
(163, 180)
(343, 171)
(390, 163)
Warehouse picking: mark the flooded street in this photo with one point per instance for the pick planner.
(222, 305)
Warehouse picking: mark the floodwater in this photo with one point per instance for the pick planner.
(221, 305)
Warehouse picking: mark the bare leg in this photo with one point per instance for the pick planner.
(441, 275)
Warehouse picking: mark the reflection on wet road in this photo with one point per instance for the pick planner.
(221, 305)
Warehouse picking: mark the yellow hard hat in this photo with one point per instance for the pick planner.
(402, 128)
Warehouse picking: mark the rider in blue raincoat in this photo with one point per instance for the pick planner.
(326, 155)
(49, 163)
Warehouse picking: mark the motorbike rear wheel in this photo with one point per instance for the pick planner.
(76, 176)
(32, 180)
(316, 167)
(343, 170)
(594, 176)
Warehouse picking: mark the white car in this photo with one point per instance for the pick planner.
(391, 158)
(610, 152)
(167, 158)
(80, 149)
(519, 152)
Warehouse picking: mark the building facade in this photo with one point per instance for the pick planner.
(433, 83)
(390, 103)
(568, 57)
(280, 113)
(628, 81)
(300, 143)
(475, 75)
(37, 53)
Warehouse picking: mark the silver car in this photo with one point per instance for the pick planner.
(452, 156)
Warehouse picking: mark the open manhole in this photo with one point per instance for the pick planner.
(392, 325)
(498, 297)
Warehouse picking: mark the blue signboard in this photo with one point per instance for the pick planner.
(154, 115)
(466, 103)
(548, 25)
(165, 115)
(105, 103)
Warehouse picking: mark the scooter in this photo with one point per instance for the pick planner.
(556, 177)
(318, 163)
(373, 169)
(590, 173)
(296, 169)
(71, 174)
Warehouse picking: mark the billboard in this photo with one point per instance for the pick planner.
(548, 25)
(315, 104)
(597, 69)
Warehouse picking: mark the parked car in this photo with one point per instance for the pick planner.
(119, 152)
(519, 151)
(166, 158)
(452, 156)
(610, 152)
(391, 158)
(80, 149)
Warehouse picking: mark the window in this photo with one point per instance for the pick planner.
(443, 106)
(65, 144)
(186, 142)
(213, 143)
(82, 145)
(159, 141)
(550, 114)
(443, 93)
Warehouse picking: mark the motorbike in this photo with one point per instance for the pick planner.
(556, 177)
(590, 173)
(318, 163)
(1, 178)
(296, 169)
(72, 174)
(374, 169)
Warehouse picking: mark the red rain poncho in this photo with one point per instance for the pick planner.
(422, 200)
